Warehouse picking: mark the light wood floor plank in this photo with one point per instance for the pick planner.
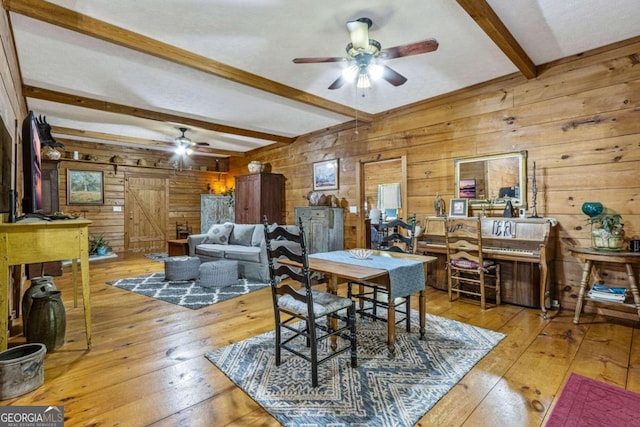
(147, 367)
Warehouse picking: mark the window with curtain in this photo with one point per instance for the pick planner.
(389, 200)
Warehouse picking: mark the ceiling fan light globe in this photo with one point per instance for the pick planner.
(350, 73)
(181, 150)
(188, 151)
(363, 81)
(375, 71)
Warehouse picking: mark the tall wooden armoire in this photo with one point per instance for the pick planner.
(259, 194)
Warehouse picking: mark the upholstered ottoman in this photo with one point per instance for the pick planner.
(179, 268)
(217, 274)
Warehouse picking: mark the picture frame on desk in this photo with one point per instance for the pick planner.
(85, 187)
(325, 175)
(459, 207)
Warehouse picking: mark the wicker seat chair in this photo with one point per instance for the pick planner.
(468, 272)
(303, 312)
(374, 296)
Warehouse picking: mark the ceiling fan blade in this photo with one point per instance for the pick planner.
(416, 48)
(316, 60)
(359, 32)
(393, 77)
(338, 83)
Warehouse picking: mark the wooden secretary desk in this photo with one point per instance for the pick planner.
(41, 241)
(525, 248)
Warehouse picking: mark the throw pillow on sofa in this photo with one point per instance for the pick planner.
(219, 233)
(241, 234)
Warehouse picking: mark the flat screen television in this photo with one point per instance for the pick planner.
(31, 166)
(5, 168)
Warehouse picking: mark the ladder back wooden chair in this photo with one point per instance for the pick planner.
(374, 296)
(184, 230)
(303, 312)
(468, 273)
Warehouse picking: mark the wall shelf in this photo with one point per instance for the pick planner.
(116, 165)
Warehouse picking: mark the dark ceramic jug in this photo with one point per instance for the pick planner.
(47, 320)
(38, 284)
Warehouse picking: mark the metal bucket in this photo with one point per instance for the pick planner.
(21, 369)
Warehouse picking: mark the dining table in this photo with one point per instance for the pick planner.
(403, 274)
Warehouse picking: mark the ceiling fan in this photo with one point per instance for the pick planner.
(366, 56)
(185, 145)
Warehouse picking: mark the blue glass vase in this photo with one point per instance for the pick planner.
(592, 209)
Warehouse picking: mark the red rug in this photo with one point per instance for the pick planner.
(589, 403)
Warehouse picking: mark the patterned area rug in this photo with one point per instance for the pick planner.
(587, 402)
(157, 256)
(185, 293)
(379, 392)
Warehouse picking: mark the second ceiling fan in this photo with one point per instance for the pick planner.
(367, 55)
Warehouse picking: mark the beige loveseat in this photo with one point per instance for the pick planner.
(239, 242)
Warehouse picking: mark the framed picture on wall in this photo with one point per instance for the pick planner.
(467, 188)
(325, 175)
(85, 187)
(458, 207)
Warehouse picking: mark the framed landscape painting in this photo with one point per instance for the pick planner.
(325, 175)
(85, 187)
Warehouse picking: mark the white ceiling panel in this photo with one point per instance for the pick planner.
(262, 37)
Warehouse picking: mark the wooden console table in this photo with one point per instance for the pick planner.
(588, 256)
(43, 241)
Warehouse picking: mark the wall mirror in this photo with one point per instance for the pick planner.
(492, 180)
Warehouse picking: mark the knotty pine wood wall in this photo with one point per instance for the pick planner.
(579, 121)
(185, 186)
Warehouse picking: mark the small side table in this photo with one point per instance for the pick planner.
(588, 256)
(177, 247)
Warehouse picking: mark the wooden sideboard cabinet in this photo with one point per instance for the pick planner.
(214, 209)
(259, 194)
(323, 227)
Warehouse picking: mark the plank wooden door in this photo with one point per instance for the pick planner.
(146, 213)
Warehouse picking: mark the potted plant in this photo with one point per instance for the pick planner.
(98, 245)
(230, 193)
(608, 232)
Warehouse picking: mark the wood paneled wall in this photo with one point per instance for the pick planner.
(579, 121)
(186, 183)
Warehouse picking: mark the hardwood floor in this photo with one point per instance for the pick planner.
(146, 366)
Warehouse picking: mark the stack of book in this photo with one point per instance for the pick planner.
(607, 293)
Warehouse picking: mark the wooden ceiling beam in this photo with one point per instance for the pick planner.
(96, 104)
(487, 19)
(74, 21)
(144, 143)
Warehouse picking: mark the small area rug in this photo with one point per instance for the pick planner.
(185, 293)
(379, 392)
(157, 256)
(587, 402)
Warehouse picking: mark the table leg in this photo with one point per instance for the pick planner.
(391, 327)
(74, 280)
(543, 288)
(4, 304)
(332, 288)
(86, 285)
(633, 284)
(422, 308)
(586, 272)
